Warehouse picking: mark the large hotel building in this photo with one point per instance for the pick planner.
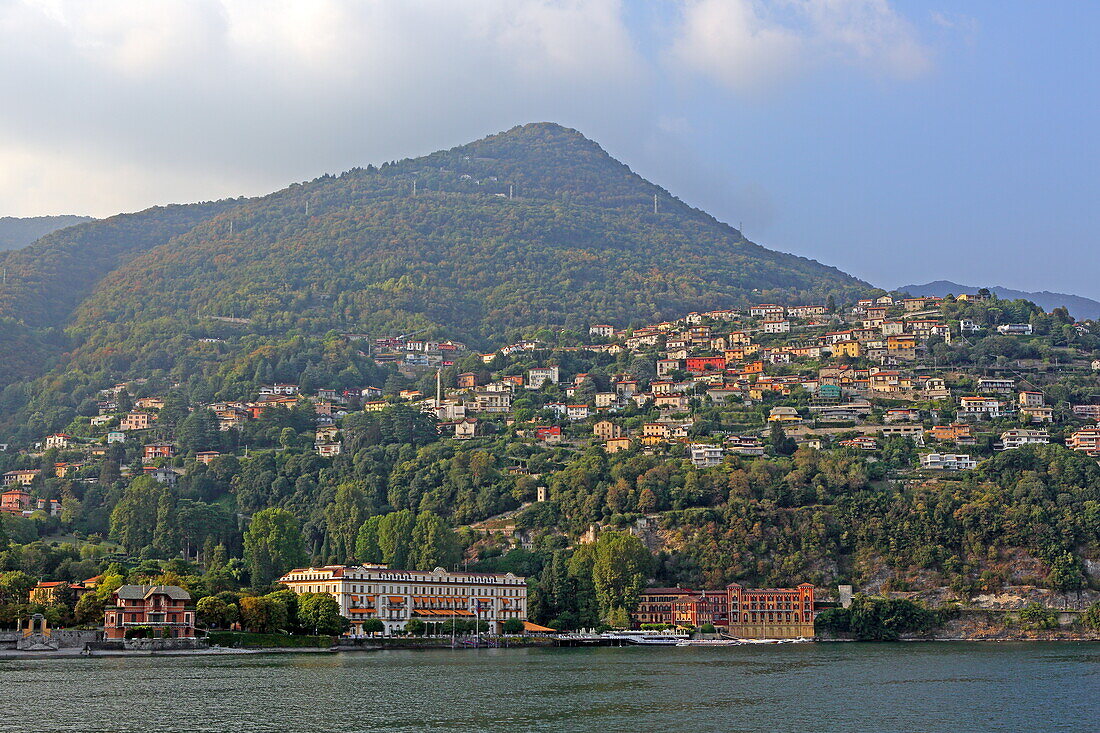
(395, 596)
(746, 613)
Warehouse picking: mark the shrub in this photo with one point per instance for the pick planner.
(1037, 617)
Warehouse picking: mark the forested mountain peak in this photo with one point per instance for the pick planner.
(536, 227)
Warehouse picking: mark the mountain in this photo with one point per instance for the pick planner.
(17, 233)
(1079, 307)
(536, 227)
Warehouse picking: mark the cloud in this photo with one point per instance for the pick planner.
(750, 46)
(118, 104)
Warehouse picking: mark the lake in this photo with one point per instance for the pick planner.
(792, 687)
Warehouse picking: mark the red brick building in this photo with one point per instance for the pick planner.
(162, 607)
(657, 605)
(771, 613)
(703, 607)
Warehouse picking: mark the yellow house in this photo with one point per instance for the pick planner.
(847, 348)
(614, 445)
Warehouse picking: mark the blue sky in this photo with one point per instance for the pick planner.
(900, 141)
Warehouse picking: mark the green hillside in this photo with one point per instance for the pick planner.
(577, 241)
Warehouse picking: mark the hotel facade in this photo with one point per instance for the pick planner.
(395, 596)
(746, 613)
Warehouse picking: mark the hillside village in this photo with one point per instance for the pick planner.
(914, 390)
(782, 375)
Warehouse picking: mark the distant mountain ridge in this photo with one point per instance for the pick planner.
(16, 232)
(1079, 307)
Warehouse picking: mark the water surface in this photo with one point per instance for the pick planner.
(813, 687)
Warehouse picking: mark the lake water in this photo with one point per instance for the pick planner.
(1033, 687)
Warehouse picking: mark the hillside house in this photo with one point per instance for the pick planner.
(989, 384)
(58, 440)
(606, 430)
(947, 462)
(548, 433)
(601, 330)
(135, 421)
(24, 477)
(979, 407)
(614, 445)
(1086, 440)
(706, 456)
(153, 451)
(15, 501)
(538, 376)
(1020, 437)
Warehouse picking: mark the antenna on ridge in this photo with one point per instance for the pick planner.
(414, 188)
(231, 222)
(307, 208)
(509, 190)
(654, 203)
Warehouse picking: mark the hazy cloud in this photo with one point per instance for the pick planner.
(750, 46)
(219, 97)
(119, 104)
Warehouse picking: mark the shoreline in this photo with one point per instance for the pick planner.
(74, 652)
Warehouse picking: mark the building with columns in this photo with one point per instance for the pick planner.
(395, 596)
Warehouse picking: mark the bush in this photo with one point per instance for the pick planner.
(1091, 617)
(881, 619)
(708, 628)
(373, 626)
(414, 627)
(1036, 617)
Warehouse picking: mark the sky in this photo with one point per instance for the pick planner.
(900, 141)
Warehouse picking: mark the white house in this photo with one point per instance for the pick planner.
(1020, 437)
(706, 456)
(539, 376)
(947, 462)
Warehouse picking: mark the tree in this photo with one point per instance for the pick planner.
(781, 444)
(513, 626)
(373, 626)
(414, 627)
(134, 518)
(1091, 617)
(215, 613)
(433, 543)
(199, 431)
(262, 615)
(343, 519)
(619, 569)
(272, 545)
(1066, 573)
(89, 609)
(395, 537)
(320, 613)
(15, 586)
(366, 542)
